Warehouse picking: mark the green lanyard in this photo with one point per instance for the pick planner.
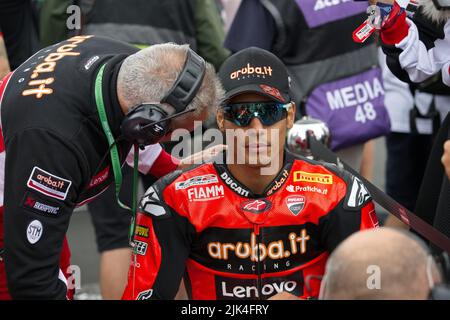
(114, 153)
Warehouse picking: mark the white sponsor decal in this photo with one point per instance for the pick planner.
(354, 95)
(358, 194)
(32, 203)
(295, 204)
(91, 62)
(148, 203)
(145, 295)
(295, 189)
(49, 184)
(140, 247)
(155, 209)
(206, 193)
(268, 289)
(46, 208)
(151, 194)
(34, 231)
(196, 181)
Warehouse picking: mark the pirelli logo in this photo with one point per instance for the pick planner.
(142, 231)
(313, 177)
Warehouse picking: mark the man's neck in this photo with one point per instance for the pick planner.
(251, 177)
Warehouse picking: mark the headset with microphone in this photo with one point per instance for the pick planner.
(147, 123)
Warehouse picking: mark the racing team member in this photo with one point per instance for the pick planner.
(240, 230)
(56, 153)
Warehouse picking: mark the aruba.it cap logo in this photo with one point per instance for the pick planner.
(250, 71)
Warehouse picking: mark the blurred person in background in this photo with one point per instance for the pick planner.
(334, 79)
(418, 48)
(415, 116)
(19, 25)
(141, 23)
(4, 63)
(359, 270)
(230, 8)
(418, 52)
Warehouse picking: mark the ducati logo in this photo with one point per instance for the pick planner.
(256, 206)
(295, 204)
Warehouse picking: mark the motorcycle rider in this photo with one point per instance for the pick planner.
(257, 222)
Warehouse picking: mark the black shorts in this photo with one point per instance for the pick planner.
(111, 222)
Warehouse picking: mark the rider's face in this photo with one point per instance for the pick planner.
(255, 143)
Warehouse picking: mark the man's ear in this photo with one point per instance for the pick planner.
(291, 115)
(220, 120)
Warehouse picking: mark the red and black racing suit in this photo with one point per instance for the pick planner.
(202, 225)
(52, 158)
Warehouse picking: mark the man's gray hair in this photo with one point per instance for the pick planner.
(148, 75)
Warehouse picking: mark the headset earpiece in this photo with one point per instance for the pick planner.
(137, 126)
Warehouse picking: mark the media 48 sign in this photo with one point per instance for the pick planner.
(353, 108)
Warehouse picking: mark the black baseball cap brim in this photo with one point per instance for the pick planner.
(253, 88)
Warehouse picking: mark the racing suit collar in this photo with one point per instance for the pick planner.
(242, 190)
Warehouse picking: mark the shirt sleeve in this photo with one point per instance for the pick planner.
(153, 160)
(43, 178)
(253, 25)
(417, 60)
(162, 245)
